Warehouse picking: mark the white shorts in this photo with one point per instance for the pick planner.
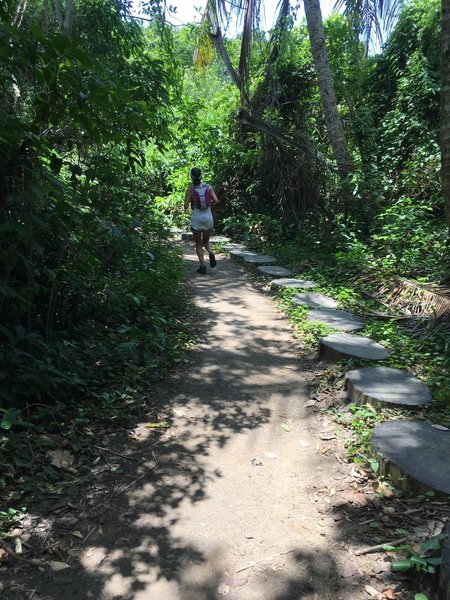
(202, 220)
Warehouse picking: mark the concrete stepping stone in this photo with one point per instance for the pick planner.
(415, 455)
(234, 247)
(261, 259)
(241, 254)
(314, 300)
(336, 319)
(389, 386)
(288, 282)
(219, 239)
(344, 345)
(444, 570)
(275, 271)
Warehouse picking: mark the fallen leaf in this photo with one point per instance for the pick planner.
(389, 594)
(285, 427)
(309, 403)
(371, 590)
(61, 459)
(350, 497)
(440, 427)
(158, 425)
(78, 534)
(271, 455)
(385, 489)
(57, 565)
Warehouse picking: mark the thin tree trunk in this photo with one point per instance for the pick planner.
(68, 19)
(327, 95)
(445, 107)
(20, 11)
(59, 14)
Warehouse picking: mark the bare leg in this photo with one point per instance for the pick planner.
(207, 245)
(199, 247)
(206, 242)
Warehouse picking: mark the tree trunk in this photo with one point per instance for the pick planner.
(328, 97)
(445, 107)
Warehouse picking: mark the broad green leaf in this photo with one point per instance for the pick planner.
(400, 566)
(432, 544)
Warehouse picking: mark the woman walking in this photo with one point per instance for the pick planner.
(201, 197)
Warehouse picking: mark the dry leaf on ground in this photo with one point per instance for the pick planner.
(61, 459)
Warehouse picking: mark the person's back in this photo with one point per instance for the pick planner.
(202, 196)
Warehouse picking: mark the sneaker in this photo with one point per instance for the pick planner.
(212, 260)
(202, 270)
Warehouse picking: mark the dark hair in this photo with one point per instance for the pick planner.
(196, 175)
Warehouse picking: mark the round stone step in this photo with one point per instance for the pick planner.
(344, 345)
(260, 259)
(288, 282)
(389, 386)
(314, 300)
(234, 247)
(415, 455)
(241, 254)
(336, 319)
(275, 271)
(219, 239)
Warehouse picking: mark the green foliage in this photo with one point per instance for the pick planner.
(253, 229)
(364, 418)
(423, 560)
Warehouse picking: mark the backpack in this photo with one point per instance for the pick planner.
(202, 196)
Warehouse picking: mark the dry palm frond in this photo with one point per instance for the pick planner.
(411, 298)
(419, 299)
(204, 51)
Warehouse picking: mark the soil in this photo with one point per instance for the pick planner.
(245, 495)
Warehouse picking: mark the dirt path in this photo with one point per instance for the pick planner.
(235, 505)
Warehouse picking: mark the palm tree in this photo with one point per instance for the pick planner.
(249, 12)
(333, 121)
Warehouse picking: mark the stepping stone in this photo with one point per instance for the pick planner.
(218, 239)
(391, 386)
(415, 455)
(444, 571)
(336, 319)
(344, 345)
(233, 246)
(314, 300)
(274, 271)
(261, 259)
(288, 282)
(241, 254)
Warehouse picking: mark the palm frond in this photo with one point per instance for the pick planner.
(373, 18)
(282, 10)
(251, 23)
(412, 299)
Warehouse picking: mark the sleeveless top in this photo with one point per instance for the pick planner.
(202, 196)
